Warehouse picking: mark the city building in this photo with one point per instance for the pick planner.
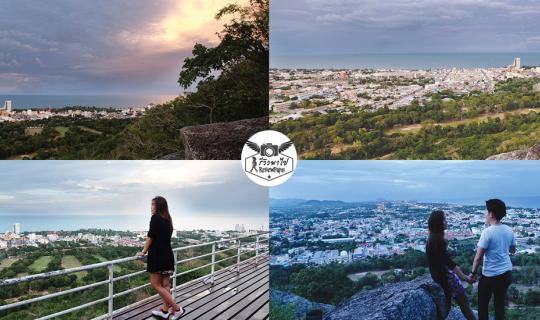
(7, 106)
(516, 65)
(17, 228)
(239, 228)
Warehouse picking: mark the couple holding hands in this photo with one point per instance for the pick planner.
(496, 244)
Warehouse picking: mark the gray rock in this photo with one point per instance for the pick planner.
(180, 155)
(220, 141)
(455, 314)
(301, 305)
(417, 299)
(525, 154)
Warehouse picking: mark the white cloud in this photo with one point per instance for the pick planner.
(6, 197)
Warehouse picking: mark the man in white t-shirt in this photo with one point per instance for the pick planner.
(496, 244)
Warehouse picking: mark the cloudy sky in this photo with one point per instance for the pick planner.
(201, 194)
(404, 26)
(453, 181)
(100, 46)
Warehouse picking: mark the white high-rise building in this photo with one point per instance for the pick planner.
(517, 63)
(7, 105)
(17, 228)
(239, 228)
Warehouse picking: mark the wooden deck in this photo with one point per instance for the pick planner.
(233, 295)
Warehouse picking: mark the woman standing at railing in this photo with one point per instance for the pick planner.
(160, 262)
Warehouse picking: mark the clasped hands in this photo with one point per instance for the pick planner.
(471, 278)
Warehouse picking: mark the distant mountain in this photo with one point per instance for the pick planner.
(512, 202)
(287, 203)
(325, 203)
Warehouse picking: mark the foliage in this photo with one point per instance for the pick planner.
(281, 312)
(467, 127)
(325, 284)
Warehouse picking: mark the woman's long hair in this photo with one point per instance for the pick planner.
(163, 209)
(436, 226)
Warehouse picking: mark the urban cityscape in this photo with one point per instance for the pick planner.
(364, 230)
(296, 92)
(16, 238)
(8, 114)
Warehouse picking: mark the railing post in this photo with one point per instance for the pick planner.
(174, 276)
(257, 250)
(213, 261)
(238, 256)
(111, 289)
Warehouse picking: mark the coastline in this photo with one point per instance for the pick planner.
(35, 102)
(402, 61)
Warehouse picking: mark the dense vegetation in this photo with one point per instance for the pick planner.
(60, 138)
(444, 126)
(330, 283)
(231, 81)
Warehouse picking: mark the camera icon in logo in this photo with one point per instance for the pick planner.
(269, 158)
(269, 150)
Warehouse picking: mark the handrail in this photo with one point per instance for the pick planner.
(260, 237)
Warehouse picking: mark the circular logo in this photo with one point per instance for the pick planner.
(269, 158)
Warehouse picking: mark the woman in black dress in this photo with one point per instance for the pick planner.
(443, 270)
(160, 257)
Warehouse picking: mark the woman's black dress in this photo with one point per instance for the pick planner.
(160, 255)
(439, 262)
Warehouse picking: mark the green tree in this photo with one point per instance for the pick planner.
(236, 70)
(326, 284)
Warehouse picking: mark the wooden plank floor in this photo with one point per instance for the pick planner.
(232, 296)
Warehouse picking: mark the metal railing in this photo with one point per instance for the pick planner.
(238, 245)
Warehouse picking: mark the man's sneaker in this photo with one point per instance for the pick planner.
(179, 313)
(161, 314)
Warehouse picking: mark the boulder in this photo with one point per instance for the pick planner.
(455, 314)
(180, 155)
(220, 141)
(419, 299)
(302, 306)
(532, 153)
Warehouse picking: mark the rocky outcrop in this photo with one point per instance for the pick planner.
(417, 299)
(220, 141)
(525, 154)
(302, 306)
(455, 314)
(180, 155)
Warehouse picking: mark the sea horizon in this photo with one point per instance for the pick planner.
(58, 101)
(408, 61)
(134, 223)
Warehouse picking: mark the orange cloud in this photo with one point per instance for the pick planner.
(186, 22)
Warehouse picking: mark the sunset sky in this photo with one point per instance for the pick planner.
(101, 46)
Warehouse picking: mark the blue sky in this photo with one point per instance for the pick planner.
(201, 194)
(453, 181)
(403, 26)
(100, 46)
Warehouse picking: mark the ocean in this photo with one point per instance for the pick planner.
(134, 222)
(33, 223)
(403, 61)
(103, 101)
